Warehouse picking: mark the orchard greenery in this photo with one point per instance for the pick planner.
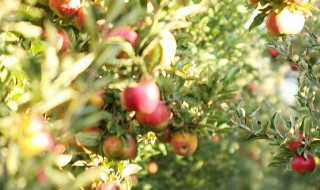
(102, 94)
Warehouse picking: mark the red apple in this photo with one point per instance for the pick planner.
(119, 148)
(299, 135)
(63, 41)
(273, 53)
(294, 67)
(36, 143)
(143, 97)
(158, 119)
(184, 143)
(293, 146)
(216, 138)
(123, 32)
(165, 135)
(134, 180)
(108, 186)
(41, 177)
(152, 167)
(252, 87)
(302, 166)
(81, 17)
(31, 124)
(65, 8)
(285, 22)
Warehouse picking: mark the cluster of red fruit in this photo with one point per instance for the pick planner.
(144, 99)
(300, 164)
(287, 20)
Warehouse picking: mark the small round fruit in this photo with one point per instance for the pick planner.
(302, 166)
(31, 124)
(184, 143)
(300, 136)
(158, 119)
(64, 8)
(81, 17)
(63, 40)
(285, 22)
(119, 148)
(143, 98)
(134, 180)
(108, 186)
(252, 87)
(165, 135)
(294, 67)
(273, 53)
(293, 146)
(152, 167)
(123, 32)
(216, 138)
(36, 143)
(41, 177)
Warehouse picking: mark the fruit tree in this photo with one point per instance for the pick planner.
(159, 94)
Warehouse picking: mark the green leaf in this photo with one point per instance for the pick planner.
(257, 20)
(130, 169)
(89, 138)
(231, 74)
(254, 137)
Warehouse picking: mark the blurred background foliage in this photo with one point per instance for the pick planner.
(220, 68)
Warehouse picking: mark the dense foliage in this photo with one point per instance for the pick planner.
(174, 94)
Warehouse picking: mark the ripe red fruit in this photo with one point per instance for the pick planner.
(293, 146)
(184, 143)
(216, 138)
(64, 8)
(302, 166)
(152, 167)
(108, 186)
(36, 143)
(299, 135)
(252, 87)
(123, 32)
(134, 180)
(273, 53)
(143, 98)
(165, 136)
(120, 148)
(62, 41)
(294, 67)
(158, 119)
(285, 22)
(41, 177)
(81, 17)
